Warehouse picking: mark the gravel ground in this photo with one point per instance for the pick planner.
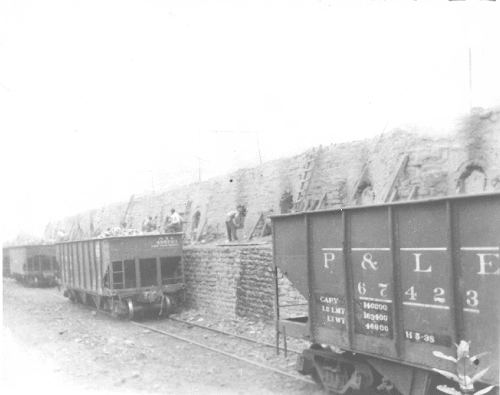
(52, 344)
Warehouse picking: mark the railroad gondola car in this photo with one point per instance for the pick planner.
(125, 275)
(33, 265)
(392, 289)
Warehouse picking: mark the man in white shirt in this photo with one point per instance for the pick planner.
(175, 222)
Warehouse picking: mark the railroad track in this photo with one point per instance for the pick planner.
(234, 335)
(221, 339)
(217, 350)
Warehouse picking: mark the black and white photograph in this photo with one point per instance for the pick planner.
(250, 197)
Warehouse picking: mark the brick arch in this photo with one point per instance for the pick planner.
(195, 219)
(286, 201)
(471, 177)
(365, 193)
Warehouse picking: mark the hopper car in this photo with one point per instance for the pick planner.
(33, 265)
(6, 262)
(124, 275)
(391, 290)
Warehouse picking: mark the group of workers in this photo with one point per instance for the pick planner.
(234, 221)
(173, 223)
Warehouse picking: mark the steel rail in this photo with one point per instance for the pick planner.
(224, 353)
(217, 331)
(232, 334)
(204, 346)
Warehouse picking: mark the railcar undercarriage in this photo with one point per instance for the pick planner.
(131, 307)
(350, 373)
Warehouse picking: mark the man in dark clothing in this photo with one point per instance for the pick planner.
(231, 224)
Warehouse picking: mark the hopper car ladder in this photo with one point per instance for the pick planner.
(116, 273)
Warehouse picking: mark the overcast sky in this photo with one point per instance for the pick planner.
(103, 99)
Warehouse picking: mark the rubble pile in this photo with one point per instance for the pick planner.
(114, 232)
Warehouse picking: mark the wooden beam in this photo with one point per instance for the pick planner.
(256, 225)
(363, 172)
(127, 210)
(412, 192)
(401, 165)
(321, 201)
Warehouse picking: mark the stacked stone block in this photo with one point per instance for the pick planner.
(236, 281)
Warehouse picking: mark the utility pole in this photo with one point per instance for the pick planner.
(199, 169)
(470, 79)
(199, 166)
(258, 146)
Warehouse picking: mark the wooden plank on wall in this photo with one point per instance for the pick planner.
(321, 201)
(386, 196)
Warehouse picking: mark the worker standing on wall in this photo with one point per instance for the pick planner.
(232, 223)
(268, 226)
(148, 225)
(175, 224)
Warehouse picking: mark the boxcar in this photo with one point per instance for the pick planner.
(124, 275)
(34, 265)
(391, 288)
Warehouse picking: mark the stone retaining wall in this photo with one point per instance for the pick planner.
(437, 160)
(236, 281)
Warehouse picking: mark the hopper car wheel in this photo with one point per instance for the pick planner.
(123, 309)
(71, 296)
(341, 377)
(315, 375)
(166, 306)
(130, 306)
(317, 379)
